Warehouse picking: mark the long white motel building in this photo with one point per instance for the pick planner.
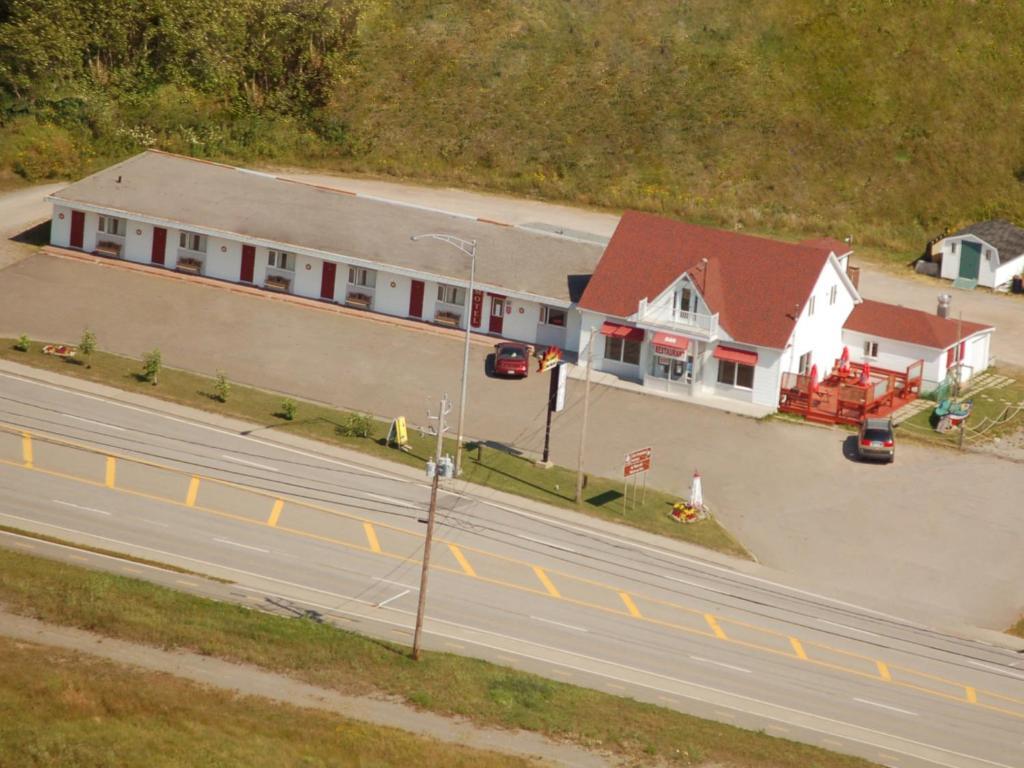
(683, 311)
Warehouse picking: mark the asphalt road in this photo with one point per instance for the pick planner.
(512, 582)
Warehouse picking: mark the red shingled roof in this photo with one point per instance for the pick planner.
(838, 247)
(758, 286)
(890, 321)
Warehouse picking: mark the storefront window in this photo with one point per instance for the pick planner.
(622, 350)
(672, 368)
(735, 374)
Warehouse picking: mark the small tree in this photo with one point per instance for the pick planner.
(151, 365)
(23, 343)
(288, 409)
(87, 346)
(222, 387)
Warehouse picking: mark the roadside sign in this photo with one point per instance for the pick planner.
(637, 462)
(552, 357)
(399, 433)
(561, 374)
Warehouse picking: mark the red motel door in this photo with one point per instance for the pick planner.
(159, 248)
(248, 263)
(327, 280)
(416, 299)
(497, 314)
(77, 228)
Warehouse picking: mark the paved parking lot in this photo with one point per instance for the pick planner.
(936, 534)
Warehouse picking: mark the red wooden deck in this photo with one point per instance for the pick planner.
(843, 399)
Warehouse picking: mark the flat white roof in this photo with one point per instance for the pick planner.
(247, 204)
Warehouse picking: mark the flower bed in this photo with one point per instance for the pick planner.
(60, 350)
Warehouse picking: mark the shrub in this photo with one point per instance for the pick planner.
(222, 387)
(288, 409)
(357, 425)
(23, 343)
(87, 346)
(151, 365)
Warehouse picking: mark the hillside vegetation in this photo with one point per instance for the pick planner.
(885, 120)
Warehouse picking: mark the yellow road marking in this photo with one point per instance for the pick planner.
(193, 491)
(630, 605)
(972, 695)
(713, 623)
(111, 478)
(798, 648)
(883, 671)
(457, 553)
(26, 449)
(545, 581)
(371, 537)
(275, 513)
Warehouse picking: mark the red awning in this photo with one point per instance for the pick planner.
(622, 331)
(669, 345)
(741, 356)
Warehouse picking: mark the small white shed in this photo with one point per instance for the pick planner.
(988, 253)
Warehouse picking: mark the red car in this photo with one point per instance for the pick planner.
(511, 359)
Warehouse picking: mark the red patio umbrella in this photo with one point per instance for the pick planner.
(865, 373)
(812, 386)
(844, 361)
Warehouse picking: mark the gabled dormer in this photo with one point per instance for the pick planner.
(680, 307)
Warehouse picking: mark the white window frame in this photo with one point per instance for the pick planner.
(833, 293)
(810, 306)
(615, 350)
(452, 295)
(804, 363)
(192, 242)
(871, 349)
(733, 379)
(112, 225)
(281, 260)
(362, 277)
(545, 316)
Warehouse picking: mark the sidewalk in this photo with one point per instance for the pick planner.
(253, 681)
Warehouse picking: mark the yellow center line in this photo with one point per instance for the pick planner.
(713, 623)
(798, 648)
(26, 449)
(371, 537)
(972, 695)
(457, 553)
(193, 491)
(883, 671)
(545, 581)
(630, 605)
(111, 477)
(275, 513)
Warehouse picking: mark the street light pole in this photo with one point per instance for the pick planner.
(468, 247)
(586, 413)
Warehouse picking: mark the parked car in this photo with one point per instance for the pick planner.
(511, 359)
(876, 440)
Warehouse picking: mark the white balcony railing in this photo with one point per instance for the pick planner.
(695, 324)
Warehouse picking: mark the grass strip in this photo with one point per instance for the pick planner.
(482, 465)
(77, 710)
(317, 653)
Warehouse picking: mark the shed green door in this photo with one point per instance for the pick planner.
(970, 259)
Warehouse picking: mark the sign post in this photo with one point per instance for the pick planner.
(551, 360)
(635, 468)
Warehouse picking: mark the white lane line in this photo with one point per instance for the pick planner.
(243, 546)
(396, 583)
(720, 664)
(866, 736)
(391, 500)
(154, 522)
(545, 543)
(238, 460)
(886, 706)
(391, 599)
(560, 624)
(848, 628)
(79, 506)
(999, 670)
(92, 421)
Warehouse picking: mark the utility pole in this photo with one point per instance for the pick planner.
(441, 429)
(586, 413)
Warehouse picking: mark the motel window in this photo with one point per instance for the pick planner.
(450, 294)
(622, 350)
(281, 260)
(805, 363)
(364, 278)
(735, 374)
(832, 293)
(810, 306)
(190, 241)
(110, 225)
(870, 349)
(552, 316)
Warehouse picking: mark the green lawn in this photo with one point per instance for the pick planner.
(134, 610)
(77, 710)
(482, 465)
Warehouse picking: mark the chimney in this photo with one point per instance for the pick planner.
(943, 308)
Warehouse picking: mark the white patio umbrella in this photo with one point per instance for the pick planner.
(696, 494)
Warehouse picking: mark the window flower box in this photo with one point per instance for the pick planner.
(277, 283)
(108, 249)
(448, 318)
(189, 265)
(360, 300)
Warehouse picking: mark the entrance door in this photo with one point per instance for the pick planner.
(416, 299)
(497, 314)
(159, 245)
(77, 229)
(327, 280)
(248, 263)
(970, 259)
